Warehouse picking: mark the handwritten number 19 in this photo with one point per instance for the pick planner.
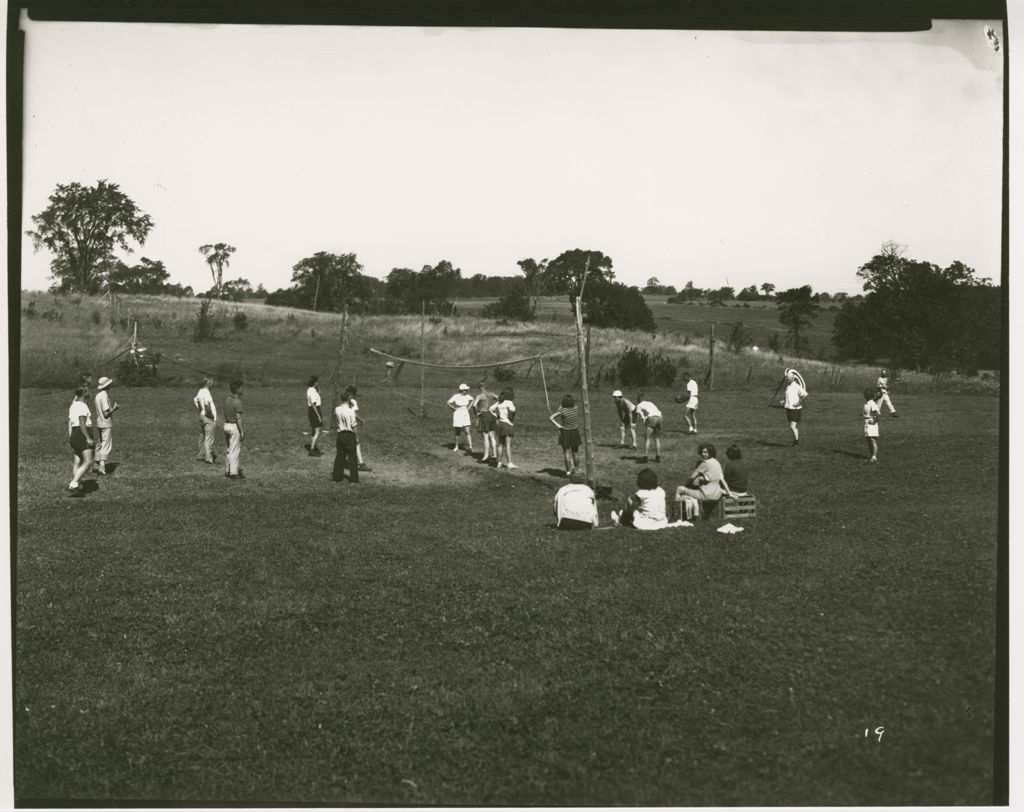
(878, 732)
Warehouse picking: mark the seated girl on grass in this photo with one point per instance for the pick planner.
(645, 509)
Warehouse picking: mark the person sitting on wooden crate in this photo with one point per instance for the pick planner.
(707, 482)
(736, 471)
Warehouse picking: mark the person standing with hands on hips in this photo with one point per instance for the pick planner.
(105, 408)
(234, 432)
(207, 421)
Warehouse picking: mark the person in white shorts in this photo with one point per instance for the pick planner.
(691, 403)
(871, 414)
(883, 393)
(105, 408)
(459, 403)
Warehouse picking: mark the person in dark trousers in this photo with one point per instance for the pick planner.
(234, 433)
(345, 418)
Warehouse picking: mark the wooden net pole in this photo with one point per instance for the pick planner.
(544, 381)
(588, 437)
(423, 329)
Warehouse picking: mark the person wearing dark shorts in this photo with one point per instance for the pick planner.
(487, 423)
(80, 436)
(568, 433)
(345, 419)
(793, 402)
(314, 413)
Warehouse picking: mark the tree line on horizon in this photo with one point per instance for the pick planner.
(914, 313)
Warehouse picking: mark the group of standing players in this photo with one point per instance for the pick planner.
(92, 441)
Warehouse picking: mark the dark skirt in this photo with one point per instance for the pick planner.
(569, 439)
(314, 419)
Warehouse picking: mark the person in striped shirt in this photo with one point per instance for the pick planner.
(568, 433)
(233, 431)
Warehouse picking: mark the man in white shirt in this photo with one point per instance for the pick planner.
(207, 421)
(105, 408)
(459, 403)
(651, 416)
(794, 404)
(346, 420)
(883, 398)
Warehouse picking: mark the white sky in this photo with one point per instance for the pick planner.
(684, 155)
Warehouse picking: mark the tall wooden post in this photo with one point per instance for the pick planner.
(336, 374)
(588, 436)
(544, 381)
(710, 383)
(423, 329)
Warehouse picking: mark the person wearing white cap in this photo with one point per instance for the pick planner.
(883, 398)
(627, 418)
(459, 403)
(105, 408)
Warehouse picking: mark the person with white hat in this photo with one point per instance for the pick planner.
(883, 398)
(105, 408)
(627, 418)
(459, 403)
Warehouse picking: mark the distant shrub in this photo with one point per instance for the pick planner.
(738, 337)
(241, 321)
(204, 327)
(514, 305)
(30, 311)
(637, 367)
(96, 317)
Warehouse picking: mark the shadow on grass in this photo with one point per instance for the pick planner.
(556, 472)
(85, 487)
(851, 454)
(770, 444)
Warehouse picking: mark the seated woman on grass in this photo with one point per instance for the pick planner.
(645, 509)
(707, 482)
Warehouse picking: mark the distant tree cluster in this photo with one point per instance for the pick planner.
(920, 316)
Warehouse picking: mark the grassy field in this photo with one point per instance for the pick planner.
(427, 637)
(693, 320)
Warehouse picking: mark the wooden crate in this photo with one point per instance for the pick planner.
(737, 507)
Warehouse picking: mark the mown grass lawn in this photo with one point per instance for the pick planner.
(426, 636)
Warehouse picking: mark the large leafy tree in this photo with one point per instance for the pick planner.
(327, 281)
(81, 227)
(612, 304)
(147, 276)
(797, 308)
(921, 316)
(535, 279)
(565, 272)
(433, 286)
(218, 257)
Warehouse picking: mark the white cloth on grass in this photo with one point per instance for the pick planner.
(730, 528)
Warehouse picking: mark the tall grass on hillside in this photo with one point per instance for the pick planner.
(63, 335)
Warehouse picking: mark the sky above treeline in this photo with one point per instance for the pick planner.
(707, 156)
